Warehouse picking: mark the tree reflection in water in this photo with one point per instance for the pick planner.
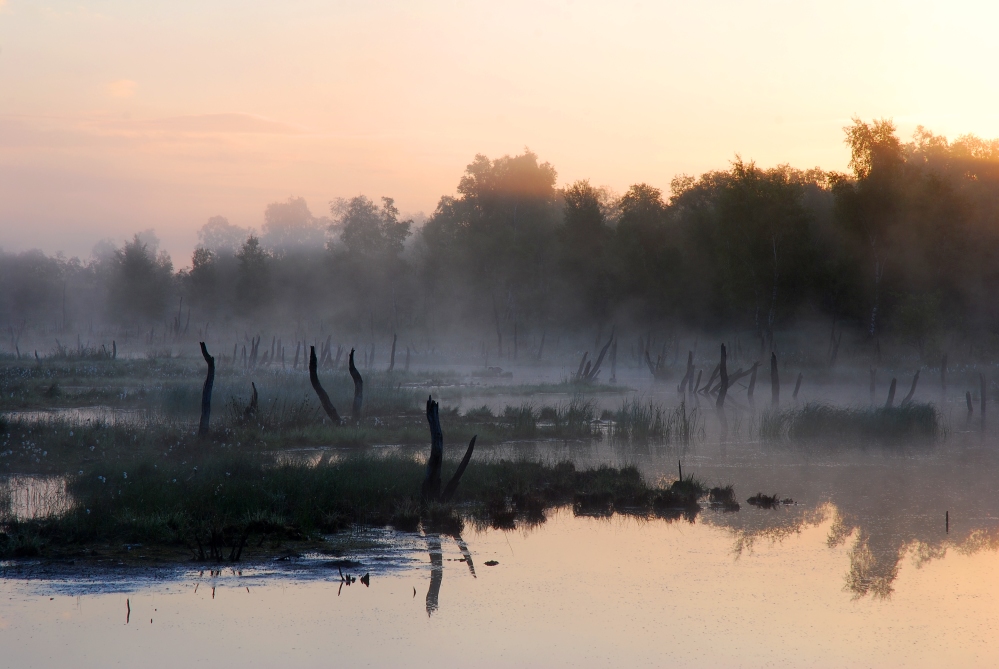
(434, 547)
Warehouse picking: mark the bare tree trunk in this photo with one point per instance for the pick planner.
(774, 381)
(358, 389)
(406, 369)
(324, 399)
(752, 381)
(797, 386)
(391, 366)
(206, 392)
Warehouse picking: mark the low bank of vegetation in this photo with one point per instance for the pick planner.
(815, 421)
(224, 502)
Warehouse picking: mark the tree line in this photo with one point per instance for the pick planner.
(904, 245)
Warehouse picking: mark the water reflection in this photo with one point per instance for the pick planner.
(435, 549)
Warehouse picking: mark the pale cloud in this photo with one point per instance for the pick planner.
(123, 88)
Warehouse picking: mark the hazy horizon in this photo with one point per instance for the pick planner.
(116, 117)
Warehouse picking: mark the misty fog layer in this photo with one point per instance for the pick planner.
(904, 246)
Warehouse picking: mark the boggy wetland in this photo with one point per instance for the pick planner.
(593, 520)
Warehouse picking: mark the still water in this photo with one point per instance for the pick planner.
(577, 592)
(862, 571)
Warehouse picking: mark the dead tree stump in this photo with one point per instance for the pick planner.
(891, 393)
(324, 399)
(206, 393)
(355, 409)
(251, 409)
(431, 488)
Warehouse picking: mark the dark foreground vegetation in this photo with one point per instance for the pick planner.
(223, 502)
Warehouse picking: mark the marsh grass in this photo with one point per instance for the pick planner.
(815, 421)
(226, 498)
(651, 422)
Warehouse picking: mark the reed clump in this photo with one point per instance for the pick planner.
(820, 421)
(652, 422)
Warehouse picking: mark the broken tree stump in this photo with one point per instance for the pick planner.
(797, 386)
(206, 392)
(752, 381)
(688, 376)
(324, 399)
(355, 409)
(251, 408)
(431, 488)
(891, 393)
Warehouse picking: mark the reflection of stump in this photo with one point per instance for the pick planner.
(723, 372)
(436, 572)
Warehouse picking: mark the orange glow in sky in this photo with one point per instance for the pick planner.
(121, 116)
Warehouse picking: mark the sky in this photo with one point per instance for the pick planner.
(120, 116)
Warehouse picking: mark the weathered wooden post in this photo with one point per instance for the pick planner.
(206, 393)
(774, 381)
(324, 399)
